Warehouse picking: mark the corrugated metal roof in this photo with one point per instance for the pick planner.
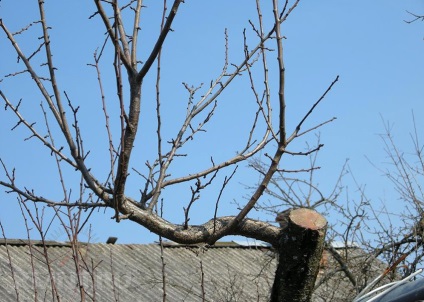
(344, 244)
(133, 272)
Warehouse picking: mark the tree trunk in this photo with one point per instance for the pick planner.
(300, 250)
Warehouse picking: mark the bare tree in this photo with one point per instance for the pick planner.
(390, 240)
(402, 242)
(63, 123)
(380, 243)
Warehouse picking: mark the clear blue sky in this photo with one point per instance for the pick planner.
(378, 56)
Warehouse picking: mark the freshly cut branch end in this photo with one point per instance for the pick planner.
(308, 219)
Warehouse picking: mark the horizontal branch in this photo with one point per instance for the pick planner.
(201, 233)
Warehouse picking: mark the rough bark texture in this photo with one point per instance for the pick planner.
(201, 233)
(300, 250)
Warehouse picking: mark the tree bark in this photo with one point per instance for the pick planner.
(300, 249)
